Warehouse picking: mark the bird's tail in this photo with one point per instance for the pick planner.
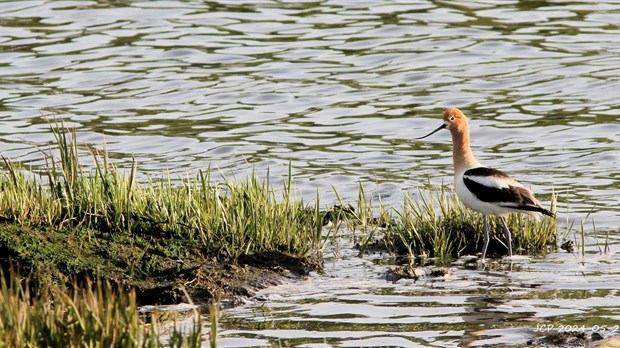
(547, 212)
(534, 210)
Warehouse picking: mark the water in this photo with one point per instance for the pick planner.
(353, 305)
(339, 89)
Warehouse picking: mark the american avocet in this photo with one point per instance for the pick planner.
(485, 190)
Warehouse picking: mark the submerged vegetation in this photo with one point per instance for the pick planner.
(159, 239)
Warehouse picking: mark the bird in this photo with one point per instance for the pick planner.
(483, 189)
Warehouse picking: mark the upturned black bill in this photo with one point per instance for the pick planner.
(433, 132)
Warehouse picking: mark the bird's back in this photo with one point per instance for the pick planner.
(493, 192)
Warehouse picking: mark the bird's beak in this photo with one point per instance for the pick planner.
(433, 132)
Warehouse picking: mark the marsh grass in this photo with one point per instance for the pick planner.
(579, 236)
(436, 225)
(94, 314)
(69, 207)
(228, 219)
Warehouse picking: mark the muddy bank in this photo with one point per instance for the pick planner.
(158, 267)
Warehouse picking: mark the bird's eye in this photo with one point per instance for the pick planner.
(451, 118)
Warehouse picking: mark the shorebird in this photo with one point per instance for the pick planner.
(485, 190)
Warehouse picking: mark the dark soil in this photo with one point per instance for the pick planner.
(159, 268)
(409, 272)
(567, 339)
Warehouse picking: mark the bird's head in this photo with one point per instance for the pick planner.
(453, 119)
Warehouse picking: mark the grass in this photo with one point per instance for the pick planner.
(226, 219)
(152, 240)
(437, 225)
(95, 314)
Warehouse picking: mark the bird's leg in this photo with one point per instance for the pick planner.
(486, 237)
(508, 238)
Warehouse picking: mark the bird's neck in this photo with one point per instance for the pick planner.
(461, 152)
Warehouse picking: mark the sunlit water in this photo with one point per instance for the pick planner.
(509, 302)
(339, 89)
(352, 304)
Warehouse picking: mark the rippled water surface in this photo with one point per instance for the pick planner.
(352, 304)
(340, 88)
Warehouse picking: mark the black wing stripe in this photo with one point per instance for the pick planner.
(486, 171)
(514, 197)
(492, 194)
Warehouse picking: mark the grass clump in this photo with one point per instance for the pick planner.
(226, 219)
(158, 235)
(437, 225)
(95, 314)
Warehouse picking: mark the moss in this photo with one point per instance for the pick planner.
(159, 268)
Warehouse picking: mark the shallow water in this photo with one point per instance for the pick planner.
(339, 89)
(352, 304)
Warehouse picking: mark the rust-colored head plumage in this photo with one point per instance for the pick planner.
(455, 120)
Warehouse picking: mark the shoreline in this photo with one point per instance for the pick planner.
(61, 257)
